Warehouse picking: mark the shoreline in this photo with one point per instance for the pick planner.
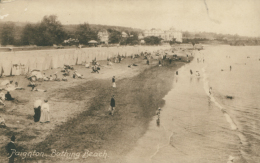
(117, 134)
(100, 131)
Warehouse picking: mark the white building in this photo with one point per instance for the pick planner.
(124, 34)
(103, 36)
(154, 32)
(166, 35)
(140, 36)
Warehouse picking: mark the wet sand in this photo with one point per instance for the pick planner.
(79, 111)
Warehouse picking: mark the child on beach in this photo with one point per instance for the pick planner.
(64, 78)
(2, 121)
(38, 90)
(50, 78)
(44, 77)
(56, 77)
(114, 82)
(75, 74)
(17, 87)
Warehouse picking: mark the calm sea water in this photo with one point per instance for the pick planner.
(199, 127)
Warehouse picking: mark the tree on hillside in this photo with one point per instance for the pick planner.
(29, 35)
(50, 31)
(114, 36)
(173, 41)
(7, 34)
(131, 40)
(193, 43)
(152, 40)
(84, 34)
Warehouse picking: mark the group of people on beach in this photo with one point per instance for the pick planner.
(112, 101)
(9, 86)
(191, 73)
(41, 111)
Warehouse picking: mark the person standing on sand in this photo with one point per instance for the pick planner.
(112, 105)
(158, 112)
(37, 110)
(114, 82)
(160, 63)
(2, 98)
(230, 159)
(177, 73)
(10, 148)
(2, 122)
(191, 72)
(45, 112)
(210, 90)
(230, 68)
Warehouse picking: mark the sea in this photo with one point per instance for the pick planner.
(211, 115)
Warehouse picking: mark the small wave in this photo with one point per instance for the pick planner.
(206, 88)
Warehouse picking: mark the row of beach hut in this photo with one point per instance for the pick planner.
(19, 63)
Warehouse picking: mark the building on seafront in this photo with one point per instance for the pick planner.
(166, 35)
(124, 34)
(140, 36)
(103, 36)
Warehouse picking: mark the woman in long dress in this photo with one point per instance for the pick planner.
(45, 112)
(37, 110)
(114, 82)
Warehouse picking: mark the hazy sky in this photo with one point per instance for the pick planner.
(221, 16)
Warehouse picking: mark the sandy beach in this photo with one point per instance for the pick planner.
(80, 119)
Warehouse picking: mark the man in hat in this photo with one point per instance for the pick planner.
(10, 148)
(112, 105)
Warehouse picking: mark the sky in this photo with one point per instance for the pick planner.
(240, 17)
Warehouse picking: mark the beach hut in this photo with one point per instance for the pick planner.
(60, 60)
(51, 65)
(7, 66)
(1, 69)
(93, 42)
(75, 58)
(79, 58)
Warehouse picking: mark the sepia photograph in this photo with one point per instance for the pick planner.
(129, 81)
